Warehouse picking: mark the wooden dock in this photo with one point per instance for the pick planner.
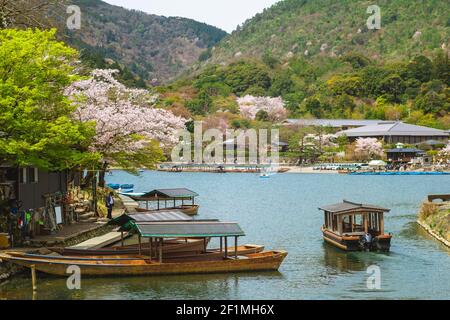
(101, 241)
(129, 204)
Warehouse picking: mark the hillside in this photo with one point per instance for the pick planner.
(312, 28)
(320, 57)
(155, 48)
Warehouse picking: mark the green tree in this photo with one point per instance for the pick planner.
(35, 117)
(421, 68)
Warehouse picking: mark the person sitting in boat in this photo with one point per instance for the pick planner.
(110, 204)
(366, 241)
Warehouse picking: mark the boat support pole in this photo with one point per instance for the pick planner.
(226, 247)
(221, 244)
(33, 277)
(140, 245)
(235, 247)
(150, 240)
(161, 240)
(121, 237)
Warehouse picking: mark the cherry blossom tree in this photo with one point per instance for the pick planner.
(130, 132)
(445, 153)
(250, 106)
(369, 147)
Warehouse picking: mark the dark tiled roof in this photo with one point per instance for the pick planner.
(393, 129)
(351, 206)
(334, 123)
(404, 150)
(171, 193)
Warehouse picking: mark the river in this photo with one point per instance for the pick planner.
(282, 213)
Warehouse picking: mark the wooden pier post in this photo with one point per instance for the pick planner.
(121, 237)
(140, 245)
(161, 240)
(235, 247)
(226, 247)
(33, 277)
(150, 240)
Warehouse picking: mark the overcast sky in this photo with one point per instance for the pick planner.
(225, 14)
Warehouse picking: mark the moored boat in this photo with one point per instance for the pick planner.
(169, 247)
(263, 261)
(355, 227)
(167, 199)
(186, 256)
(191, 210)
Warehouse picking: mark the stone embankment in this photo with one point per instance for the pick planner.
(434, 217)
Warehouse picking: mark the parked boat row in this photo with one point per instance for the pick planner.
(177, 244)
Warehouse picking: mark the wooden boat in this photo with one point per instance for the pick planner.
(191, 256)
(191, 210)
(170, 246)
(168, 199)
(356, 227)
(263, 261)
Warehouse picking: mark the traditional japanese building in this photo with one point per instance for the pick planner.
(397, 132)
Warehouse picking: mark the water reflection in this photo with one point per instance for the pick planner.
(216, 286)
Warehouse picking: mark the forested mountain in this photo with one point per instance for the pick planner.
(321, 57)
(152, 47)
(335, 27)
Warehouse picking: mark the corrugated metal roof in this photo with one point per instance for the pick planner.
(393, 129)
(158, 216)
(154, 216)
(350, 206)
(189, 229)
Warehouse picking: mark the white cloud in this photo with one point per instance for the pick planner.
(225, 14)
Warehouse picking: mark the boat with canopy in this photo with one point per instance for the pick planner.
(354, 226)
(163, 199)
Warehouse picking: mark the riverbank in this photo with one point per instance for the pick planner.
(69, 235)
(435, 219)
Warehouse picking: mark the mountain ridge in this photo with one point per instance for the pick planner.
(151, 47)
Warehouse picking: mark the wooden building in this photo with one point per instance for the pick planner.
(397, 132)
(30, 185)
(404, 155)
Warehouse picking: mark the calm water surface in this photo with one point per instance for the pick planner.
(282, 213)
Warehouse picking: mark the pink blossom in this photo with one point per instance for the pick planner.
(126, 119)
(369, 146)
(250, 106)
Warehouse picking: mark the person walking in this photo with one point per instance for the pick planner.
(110, 204)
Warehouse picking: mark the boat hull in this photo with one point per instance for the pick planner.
(352, 243)
(169, 247)
(190, 210)
(265, 261)
(186, 256)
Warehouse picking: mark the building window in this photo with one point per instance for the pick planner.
(29, 175)
(33, 175)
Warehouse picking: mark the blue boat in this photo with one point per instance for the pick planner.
(127, 186)
(113, 186)
(399, 173)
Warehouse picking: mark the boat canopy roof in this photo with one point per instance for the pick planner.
(156, 216)
(352, 207)
(167, 194)
(194, 229)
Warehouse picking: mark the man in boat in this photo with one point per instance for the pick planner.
(110, 204)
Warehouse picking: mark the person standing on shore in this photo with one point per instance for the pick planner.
(110, 204)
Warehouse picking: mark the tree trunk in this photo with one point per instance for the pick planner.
(102, 173)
